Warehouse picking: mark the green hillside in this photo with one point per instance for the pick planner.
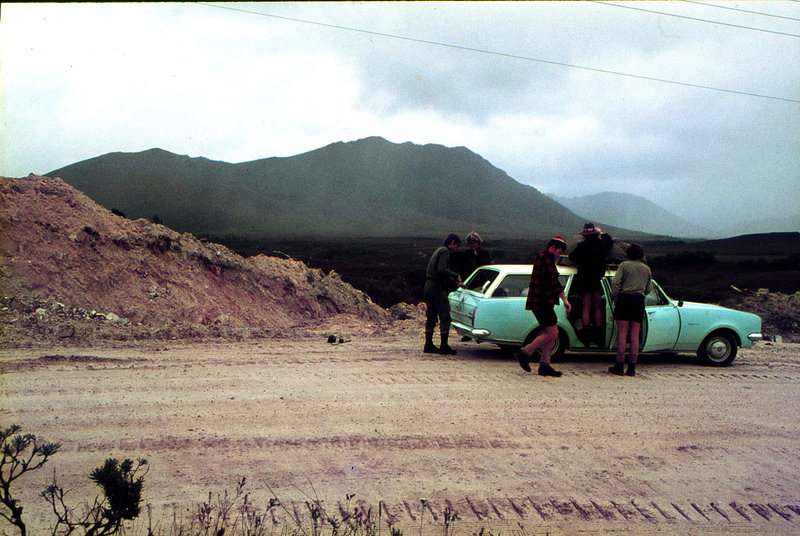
(365, 188)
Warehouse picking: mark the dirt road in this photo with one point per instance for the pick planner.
(680, 449)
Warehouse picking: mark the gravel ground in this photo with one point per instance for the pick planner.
(433, 444)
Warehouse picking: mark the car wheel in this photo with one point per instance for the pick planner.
(717, 350)
(559, 346)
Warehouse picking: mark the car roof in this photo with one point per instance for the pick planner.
(526, 269)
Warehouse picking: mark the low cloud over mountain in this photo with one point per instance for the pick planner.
(632, 212)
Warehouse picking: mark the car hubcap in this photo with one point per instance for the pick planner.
(718, 349)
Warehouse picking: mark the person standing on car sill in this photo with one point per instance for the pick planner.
(543, 295)
(440, 281)
(631, 283)
(590, 258)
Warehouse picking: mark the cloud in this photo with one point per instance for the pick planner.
(81, 80)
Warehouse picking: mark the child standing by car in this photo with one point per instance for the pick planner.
(631, 283)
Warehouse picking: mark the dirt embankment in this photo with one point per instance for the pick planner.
(779, 312)
(72, 271)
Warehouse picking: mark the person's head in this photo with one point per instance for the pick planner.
(557, 245)
(474, 240)
(452, 241)
(589, 229)
(635, 252)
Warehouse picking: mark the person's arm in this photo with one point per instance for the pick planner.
(567, 305)
(556, 284)
(649, 286)
(616, 284)
(443, 268)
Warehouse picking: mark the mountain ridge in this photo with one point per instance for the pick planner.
(368, 187)
(633, 212)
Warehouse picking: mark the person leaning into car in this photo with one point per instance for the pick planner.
(440, 281)
(632, 281)
(543, 295)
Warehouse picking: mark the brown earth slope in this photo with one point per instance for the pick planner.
(71, 270)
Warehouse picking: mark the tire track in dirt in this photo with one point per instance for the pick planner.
(554, 510)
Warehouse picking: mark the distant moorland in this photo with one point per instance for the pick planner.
(392, 270)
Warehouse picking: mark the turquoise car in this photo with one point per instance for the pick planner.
(491, 308)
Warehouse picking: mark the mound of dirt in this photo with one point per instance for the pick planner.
(780, 313)
(73, 271)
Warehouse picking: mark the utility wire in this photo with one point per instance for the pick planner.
(740, 10)
(695, 19)
(501, 54)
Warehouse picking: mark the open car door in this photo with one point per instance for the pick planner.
(662, 322)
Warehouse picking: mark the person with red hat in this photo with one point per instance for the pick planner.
(543, 295)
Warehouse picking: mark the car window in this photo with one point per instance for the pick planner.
(563, 280)
(655, 297)
(513, 286)
(517, 285)
(478, 281)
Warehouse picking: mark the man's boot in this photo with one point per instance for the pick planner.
(618, 368)
(631, 369)
(522, 359)
(444, 348)
(546, 370)
(429, 347)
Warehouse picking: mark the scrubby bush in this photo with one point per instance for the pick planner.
(121, 482)
(22, 453)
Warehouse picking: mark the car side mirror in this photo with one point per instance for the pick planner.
(680, 303)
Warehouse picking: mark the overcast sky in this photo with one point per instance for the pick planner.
(524, 84)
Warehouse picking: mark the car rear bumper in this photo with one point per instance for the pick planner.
(468, 331)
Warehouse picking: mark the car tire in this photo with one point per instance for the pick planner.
(559, 346)
(718, 349)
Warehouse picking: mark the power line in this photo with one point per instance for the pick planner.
(500, 54)
(695, 19)
(740, 10)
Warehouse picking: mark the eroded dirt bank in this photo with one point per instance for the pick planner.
(680, 449)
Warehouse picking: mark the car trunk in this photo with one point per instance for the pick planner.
(462, 306)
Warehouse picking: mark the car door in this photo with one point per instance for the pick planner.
(662, 322)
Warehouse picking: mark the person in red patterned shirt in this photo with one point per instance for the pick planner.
(543, 295)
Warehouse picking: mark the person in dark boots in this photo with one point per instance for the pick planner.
(631, 283)
(590, 258)
(543, 295)
(440, 281)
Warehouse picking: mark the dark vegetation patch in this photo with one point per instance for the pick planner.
(392, 270)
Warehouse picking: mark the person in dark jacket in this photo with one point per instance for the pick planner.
(440, 280)
(466, 261)
(590, 258)
(481, 257)
(543, 295)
